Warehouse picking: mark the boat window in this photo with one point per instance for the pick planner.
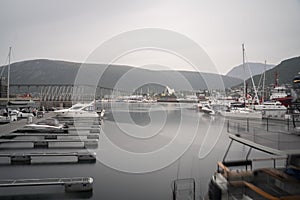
(89, 108)
(76, 107)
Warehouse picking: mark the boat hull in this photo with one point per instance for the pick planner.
(243, 115)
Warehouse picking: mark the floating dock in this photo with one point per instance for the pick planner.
(80, 184)
(87, 143)
(50, 135)
(26, 158)
(93, 129)
(83, 134)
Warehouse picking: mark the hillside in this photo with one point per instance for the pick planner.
(123, 77)
(256, 68)
(286, 70)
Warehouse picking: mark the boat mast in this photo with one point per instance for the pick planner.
(8, 73)
(263, 86)
(276, 80)
(245, 95)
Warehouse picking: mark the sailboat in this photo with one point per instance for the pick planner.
(242, 111)
(7, 116)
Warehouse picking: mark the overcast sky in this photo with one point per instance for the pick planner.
(72, 29)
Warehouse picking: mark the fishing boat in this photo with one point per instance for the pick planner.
(279, 94)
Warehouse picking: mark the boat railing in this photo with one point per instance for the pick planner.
(272, 159)
(242, 180)
(260, 191)
(236, 126)
(241, 166)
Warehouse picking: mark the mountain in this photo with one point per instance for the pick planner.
(255, 68)
(286, 71)
(123, 77)
(42, 71)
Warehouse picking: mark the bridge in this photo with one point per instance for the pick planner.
(53, 95)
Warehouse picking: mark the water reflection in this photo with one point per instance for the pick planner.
(198, 142)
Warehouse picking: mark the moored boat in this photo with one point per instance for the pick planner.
(4, 119)
(272, 109)
(207, 109)
(79, 110)
(48, 125)
(242, 113)
(279, 94)
(236, 179)
(241, 179)
(239, 109)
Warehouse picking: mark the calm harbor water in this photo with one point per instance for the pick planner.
(142, 149)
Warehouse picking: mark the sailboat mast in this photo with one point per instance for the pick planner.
(263, 87)
(8, 73)
(245, 95)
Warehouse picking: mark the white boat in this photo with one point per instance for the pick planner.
(244, 113)
(206, 109)
(101, 113)
(4, 119)
(132, 99)
(48, 125)
(200, 105)
(25, 114)
(272, 109)
(78, 110)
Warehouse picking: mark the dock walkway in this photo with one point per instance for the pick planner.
(12, 126)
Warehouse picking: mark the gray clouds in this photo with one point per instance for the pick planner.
(71, 30)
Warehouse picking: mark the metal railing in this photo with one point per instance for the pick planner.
(272, 133)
